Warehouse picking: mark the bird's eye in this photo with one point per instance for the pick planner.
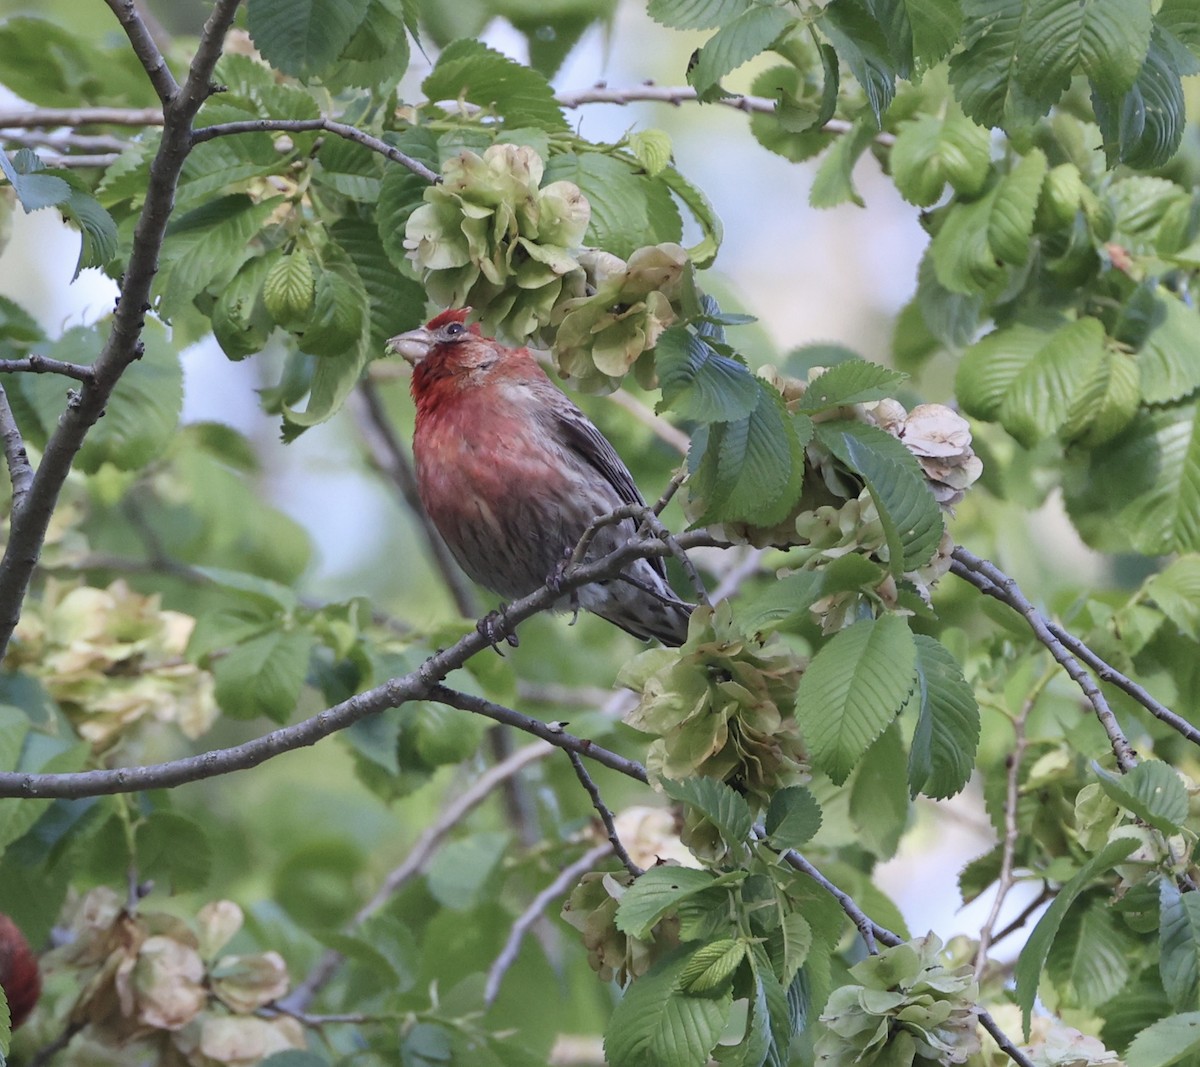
(453, 329)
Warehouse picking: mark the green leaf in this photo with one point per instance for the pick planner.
(34, 190)
(793, 817)
(984, 73)
(696, 14)
(790, 943)
(784, 601)
(1153, 791)
(52, 65)
(1179, 23)
(854, 381)
(1037, 948)
(738, 41)
(1179, 944)
(930, 151)
(652, 149)
(241, 322)
(395, 301)
(174, 849)
(655, 893)
(1141, 490)
(1144, 127)
(861, 43)
(853, 687)
(1089, 962)
(879, 802)
(303, 37)
(1176, 591)
(911, 518)
(263, 676)
(5, 1027)
(267, 596)
(142, 414)
(340, 312)
(793, 130)
(709, 971)
(656, 1023)
(723, 806)
(833, 184)
(1168, 1041)
(1106, 39)
(401, 191)
(697, 382)
(623, 205)
(207, 244)
(470, 70)
(947, 732)
(1166, 360)
(1029, 380)
(463, 871)
(1106, 401)
(752, 469)
(1010, 222)
(932, 25)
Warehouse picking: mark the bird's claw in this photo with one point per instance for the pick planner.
(556, 578)
(489, 627)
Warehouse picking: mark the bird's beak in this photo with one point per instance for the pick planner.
(412, 346)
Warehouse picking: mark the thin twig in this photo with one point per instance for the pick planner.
(567, 877)
(33, 118)
(1108, 673)
(606, 817)
(47, 1052)
(1046, 894)
(19, 469)
(650, 525)
(146, 49)
(44, 365)
(871, 931)
(27, 531)
(989, 579)
(339, 129)
(1006, 1043)
(434, 836)
(389, 456)
(418, 684)
(1012, 831)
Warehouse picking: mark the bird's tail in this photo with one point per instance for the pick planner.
(642, 604)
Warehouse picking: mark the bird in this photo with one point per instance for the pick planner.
(19, 975)
(511, 473)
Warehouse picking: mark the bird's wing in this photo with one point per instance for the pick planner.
(580, 435)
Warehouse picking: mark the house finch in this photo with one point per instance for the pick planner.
(512, 474)
(18, 972)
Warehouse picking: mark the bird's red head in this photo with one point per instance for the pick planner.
(449, 355)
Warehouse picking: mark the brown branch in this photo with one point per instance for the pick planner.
(422, 683)
(1012, 831)
(19, 470)
(44, 365)
(566, 878)
(146, 49)
(390, 457)
(339, 129)
(123, 345)
(989, 579)
(32, 118)
(606, 817)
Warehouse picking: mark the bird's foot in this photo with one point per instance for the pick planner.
(556, 578)
(489, 626)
